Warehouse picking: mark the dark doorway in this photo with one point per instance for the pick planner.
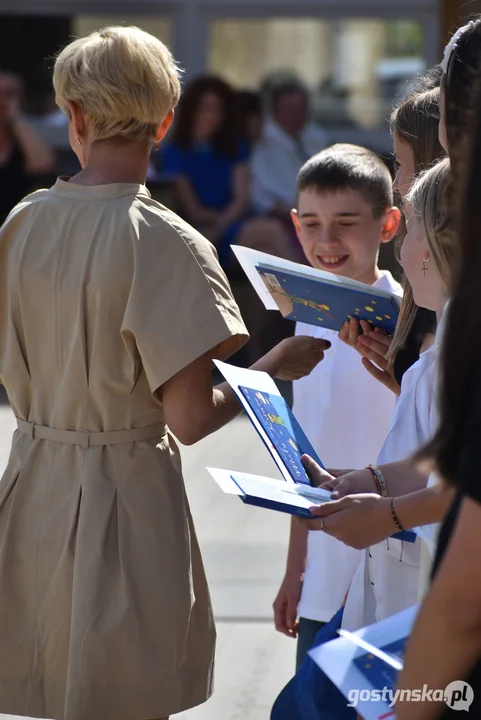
(28, 45)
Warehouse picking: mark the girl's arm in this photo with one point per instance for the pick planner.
(446, 640)
(364, 520)
(402, 477)
(424, 507)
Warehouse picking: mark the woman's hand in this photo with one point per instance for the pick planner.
(294, 357)
(373, 345)
(354, 481)
(356, 520)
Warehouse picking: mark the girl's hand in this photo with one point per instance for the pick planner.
(357, 520)
(373, 345)
(297, 356)
(355, 481)
(315, 473)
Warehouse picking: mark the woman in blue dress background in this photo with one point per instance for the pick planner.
(208, 161)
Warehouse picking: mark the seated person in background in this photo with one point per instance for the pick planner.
(250, 111)
(288, 141)
(22, 153)
(208, 161)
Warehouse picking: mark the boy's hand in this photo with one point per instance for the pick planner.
(373, 345)
(297, 356)
(285, 605)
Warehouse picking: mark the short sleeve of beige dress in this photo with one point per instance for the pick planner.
(104, 606)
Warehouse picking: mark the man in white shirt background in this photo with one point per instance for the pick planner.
(289, 139)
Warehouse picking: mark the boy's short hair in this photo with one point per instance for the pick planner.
(344, 166)
(125, 81)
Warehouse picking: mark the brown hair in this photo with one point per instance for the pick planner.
(226, 139)
(460, 84)
(343, 166)
(461, 351)
(416, 121)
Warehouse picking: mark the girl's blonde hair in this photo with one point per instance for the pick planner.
(125, 81)
(416, 122)
(431, 199)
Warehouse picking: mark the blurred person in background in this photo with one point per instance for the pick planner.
(208, 161)
(288, 140)
(23, 155)
(250, 111)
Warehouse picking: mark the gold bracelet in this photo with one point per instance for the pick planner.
(379, 479)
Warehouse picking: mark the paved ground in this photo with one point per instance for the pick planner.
(244, 551)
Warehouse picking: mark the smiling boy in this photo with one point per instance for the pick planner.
(345, 212)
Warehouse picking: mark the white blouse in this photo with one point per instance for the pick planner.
(387, 579)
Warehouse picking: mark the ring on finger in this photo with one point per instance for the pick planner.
(323, 527)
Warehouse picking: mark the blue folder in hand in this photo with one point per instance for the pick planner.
(285, 440)
(295, 499)
(327, 300)
(283, 430)
(378, 672)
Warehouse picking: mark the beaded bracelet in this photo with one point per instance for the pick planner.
(395, 517)
(379, 479)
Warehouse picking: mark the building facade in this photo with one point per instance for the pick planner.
(354, 56)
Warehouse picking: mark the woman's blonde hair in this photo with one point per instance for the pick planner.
(124, 80)
(431, 200)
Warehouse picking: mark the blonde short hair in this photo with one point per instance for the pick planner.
(125, 81)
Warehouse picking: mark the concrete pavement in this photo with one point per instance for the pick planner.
(244, 552)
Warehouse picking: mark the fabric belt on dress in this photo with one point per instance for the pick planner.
(87, 439)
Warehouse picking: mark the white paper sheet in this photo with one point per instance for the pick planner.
(335, 658)
(265, 488)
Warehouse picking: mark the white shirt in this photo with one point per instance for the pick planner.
(276, 161)
(345, 413)
(430, 533)
(387, 579)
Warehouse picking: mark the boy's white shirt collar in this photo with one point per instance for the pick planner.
(387, 282)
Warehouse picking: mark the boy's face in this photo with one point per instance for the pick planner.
(339, 232)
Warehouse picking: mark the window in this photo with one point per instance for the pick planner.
(354, 68)
(159, 27)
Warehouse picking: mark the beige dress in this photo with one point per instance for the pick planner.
(104, 607)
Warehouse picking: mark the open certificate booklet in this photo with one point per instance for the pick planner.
(364, 665)
(285, 441)
(305, 294)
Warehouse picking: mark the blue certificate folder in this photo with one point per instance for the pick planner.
(378, 672)
(289, 439)
(278, 495)
(283, 431)
(327, 301)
